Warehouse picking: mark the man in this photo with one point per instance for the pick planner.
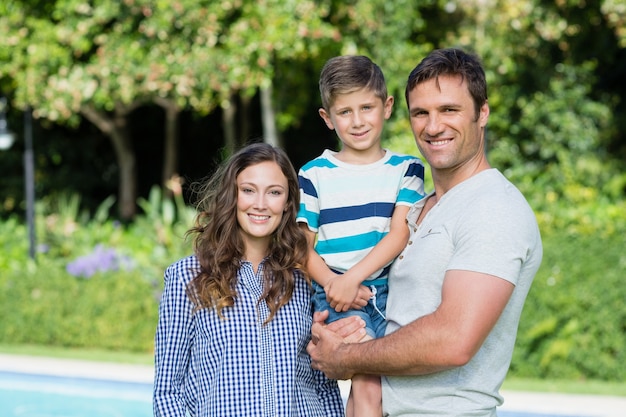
(457, 290)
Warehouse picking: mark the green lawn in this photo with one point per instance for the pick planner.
(511, 384)
(84, 354)
(568, 387)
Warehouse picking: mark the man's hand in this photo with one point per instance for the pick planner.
(324, 352)
(351, 329)
(327, 340)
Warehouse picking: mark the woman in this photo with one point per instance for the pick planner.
(235, 317)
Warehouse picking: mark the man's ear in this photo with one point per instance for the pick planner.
(483, 114)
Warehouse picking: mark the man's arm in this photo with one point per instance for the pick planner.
(449, 337)
(351, 328)
(384, 252)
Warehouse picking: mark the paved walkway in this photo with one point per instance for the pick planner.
(76, 368)
(527, 404)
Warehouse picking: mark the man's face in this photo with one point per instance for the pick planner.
(447, 130)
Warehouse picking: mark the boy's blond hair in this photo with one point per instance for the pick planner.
(346, 73)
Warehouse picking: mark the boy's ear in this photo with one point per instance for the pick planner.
(324, 115)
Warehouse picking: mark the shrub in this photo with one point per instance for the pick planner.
(50, 301)
(45, 305)
(574, 322)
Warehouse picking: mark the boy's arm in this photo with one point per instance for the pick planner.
(324, 276)
(384, 252)
(316, 267)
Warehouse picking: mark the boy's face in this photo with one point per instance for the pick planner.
(358, 118)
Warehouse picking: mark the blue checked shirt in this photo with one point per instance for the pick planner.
(236, 366)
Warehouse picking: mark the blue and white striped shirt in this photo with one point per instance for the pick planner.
(350, 206)
(207, 366)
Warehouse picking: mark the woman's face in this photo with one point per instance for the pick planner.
(262, 193)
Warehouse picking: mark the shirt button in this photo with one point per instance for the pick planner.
(401, 257)
(410, 242)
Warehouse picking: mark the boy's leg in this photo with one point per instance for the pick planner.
(365, 399)
(366, 396)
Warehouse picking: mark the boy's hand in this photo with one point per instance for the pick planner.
(342, 292)
(362, 298)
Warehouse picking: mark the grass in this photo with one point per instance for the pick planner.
(565, 386)
(83, 354)
(511, 384)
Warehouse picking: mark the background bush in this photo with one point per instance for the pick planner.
(95, 283)
(573, 325)
(574, 321)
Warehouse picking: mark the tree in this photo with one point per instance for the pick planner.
(551, 99)
(70, 59)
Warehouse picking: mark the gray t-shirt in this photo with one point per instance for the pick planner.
(484, 225)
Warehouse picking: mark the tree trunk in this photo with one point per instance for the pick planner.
(268, 117)
(244, 119)
(116, 129)
(170, 151)
(126, 160)
(229, 109)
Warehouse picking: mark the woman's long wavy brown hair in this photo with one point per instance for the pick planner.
(218, 242)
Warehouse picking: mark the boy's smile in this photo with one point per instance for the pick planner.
(358, 118)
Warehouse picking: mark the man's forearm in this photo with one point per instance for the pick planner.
(387, 356)
(408, 351)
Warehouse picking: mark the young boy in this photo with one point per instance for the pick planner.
(353, 207)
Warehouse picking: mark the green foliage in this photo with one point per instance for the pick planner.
(163, 228)
(574, 322)
(573, 325)
(43, 303)
(556, 130)
(556, 137)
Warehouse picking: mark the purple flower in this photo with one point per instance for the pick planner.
(102, 259)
